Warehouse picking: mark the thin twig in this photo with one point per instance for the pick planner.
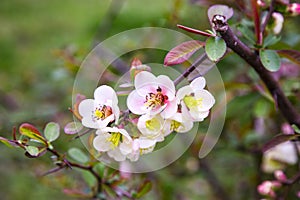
(268, 17)
(189, 70)
(256, 22)
(191, 30)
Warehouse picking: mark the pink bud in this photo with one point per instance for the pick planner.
(287, 129)
(124, 170)
(280, 176)
(261, 3)
(267, 188)
(294, 9)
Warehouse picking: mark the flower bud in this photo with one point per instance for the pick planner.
(280, 176)
(294, 9)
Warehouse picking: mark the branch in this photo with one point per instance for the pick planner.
(284, 105)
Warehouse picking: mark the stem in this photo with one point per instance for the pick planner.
(256, 22)
(284, 105)
(271, 10)
(189, 70)
(67, 163)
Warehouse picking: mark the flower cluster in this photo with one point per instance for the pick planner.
(155, 108)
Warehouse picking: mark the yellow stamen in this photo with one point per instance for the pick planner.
(115, 139)
(154, 100)
(153, 124)
(175, 125)
(191, 102)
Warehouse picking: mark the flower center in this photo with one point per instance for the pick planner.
(175, 125)
(153, 124)
(154, 100)
(115, 139)
(192, 103)
(102, 112)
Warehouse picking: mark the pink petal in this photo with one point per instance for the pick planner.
(170, 110)
(145, 82)
(167, 86)
(135, 103)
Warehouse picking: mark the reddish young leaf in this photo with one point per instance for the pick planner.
(182, 52)
(31, 132)
(223, 10)
(292, 55)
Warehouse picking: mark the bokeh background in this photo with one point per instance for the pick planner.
(42, 44)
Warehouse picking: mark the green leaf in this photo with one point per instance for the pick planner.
(262, 108)
(78, 155)
(51, 131)
(215, 48)
(270, 40)
(290, 54)
(144, 188)
(278, 140)
(32, 150)
(296, 128)
(247, 33)
(270, 59)
(100, 168)
(89, 178)
(182, 52)
(31, 132)
(219, 9)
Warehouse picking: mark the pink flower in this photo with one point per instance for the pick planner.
(99, 112)
(152, 95)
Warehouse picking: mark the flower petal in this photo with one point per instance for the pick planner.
(145, 82)
(136, 103)
(116, 154)
(198, 83)
(170, 109)
(167, 86)
(207, 100)
(101, 142)
(182, 92)
(104, 93)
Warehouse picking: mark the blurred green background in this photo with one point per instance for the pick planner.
(42, 44)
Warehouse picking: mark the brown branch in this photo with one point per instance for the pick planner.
(232, 41)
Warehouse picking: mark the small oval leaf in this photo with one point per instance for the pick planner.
(73, 128)
(215, 48)
(278, 140)
(9, 143)
(51, 131)
(78, 155)
(31, 132)
(182, 52)
(270, 59)
(32, 150)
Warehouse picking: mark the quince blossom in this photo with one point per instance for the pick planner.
(152, 95)
(114, 141)
(152, 127)
(99, 112)
(194, 100)
(178, 123)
